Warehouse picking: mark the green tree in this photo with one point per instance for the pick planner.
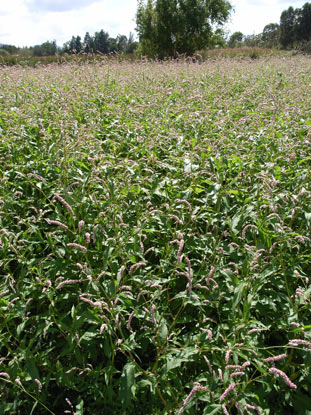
(10, 48)
(73, 45)
(4, 52)
(304, 23)
(121, 43)
(270, 35)
(101, 42)
(288, 27)
(45, 49)
(171, 27)
(252, 40)
(218, 39)
(131, 44)
(78, 45)
(235, 40)
(112, 45)
(88, 43)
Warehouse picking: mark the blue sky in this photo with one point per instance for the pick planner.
(30, 22)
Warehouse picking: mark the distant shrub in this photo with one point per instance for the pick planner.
(305, 47)
(4, 52)
(244, 52)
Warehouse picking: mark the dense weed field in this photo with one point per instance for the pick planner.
(155, 238)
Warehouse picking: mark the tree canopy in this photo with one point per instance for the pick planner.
(235, 39)
(295, 26)
(171, 27)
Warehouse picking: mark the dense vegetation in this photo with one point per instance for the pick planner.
(99, 43)
(170, 28)
(293, 32)
(167, 28)
(155, 238)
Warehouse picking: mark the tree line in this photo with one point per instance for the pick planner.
(172, 27)
(293, 31)
(100, 42)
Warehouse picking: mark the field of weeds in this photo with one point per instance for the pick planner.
(155, 238)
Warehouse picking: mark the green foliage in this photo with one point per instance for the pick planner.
(288, 27)
(155, 237)
(46, 49)
(295, 26)
(100, 43)
(235, 40)
(270, 35)
(3, 52)
(167, 28)
(304, 23)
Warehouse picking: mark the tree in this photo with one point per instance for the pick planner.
(218, 39)
(74, 45)
(131, 44)
(235, 40)
(121, 43)
(78, 45)
(288, 27)
(112, 44)
(88, 43)
(252, 40)
(304, 23)
(171, 27)
(270, 35)
(101, 42)
(45, 49)
(10, 48)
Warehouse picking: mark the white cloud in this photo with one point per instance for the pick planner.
(30, 22)
(251, 16)
(57, 5)
(22, 26)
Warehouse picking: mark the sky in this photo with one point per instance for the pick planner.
(32, 22)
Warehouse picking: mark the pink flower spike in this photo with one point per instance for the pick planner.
(228, 353)
(225, 410)
(253, 407)
(237, 374)
(87, 237)
(248, 227)
(37, 381)
(64, 203)
(4, 292)
(56, 223)
(181, 244)
(19, 383)
(66, 282)
(196, 389)
(275, 358)
(210, 274)
(279, 372)
(208, 364)
(13, 301)
(137, 265)
(227, 391)
(74, 245)
(296, 342)
(220, 375)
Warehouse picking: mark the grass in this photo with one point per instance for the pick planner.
(155, 238)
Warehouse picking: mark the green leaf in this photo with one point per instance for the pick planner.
(32, 368)
(79, 407)
(212, 409)
(34, 407)
(163, 332)
(237, 295)
(127, 384)
(302, 403)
